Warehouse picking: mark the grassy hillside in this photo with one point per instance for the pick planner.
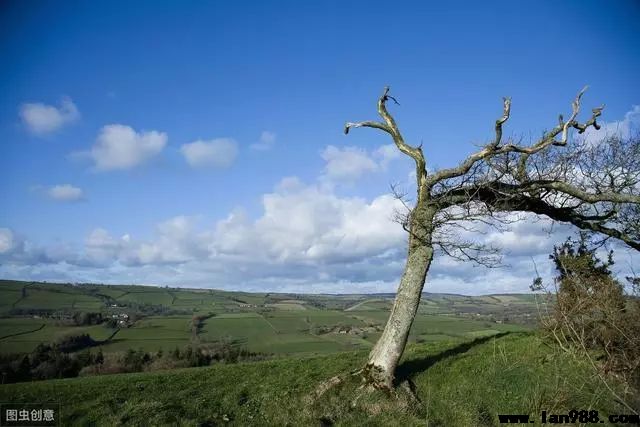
(458, 382)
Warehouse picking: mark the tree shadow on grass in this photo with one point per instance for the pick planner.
(410, 368)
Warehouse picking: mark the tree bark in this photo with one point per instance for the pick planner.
(386, 354)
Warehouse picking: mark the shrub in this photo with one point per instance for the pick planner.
(592, 312)
(71, 343)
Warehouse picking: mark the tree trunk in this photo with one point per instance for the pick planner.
(386, 354)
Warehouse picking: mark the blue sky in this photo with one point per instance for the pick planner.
(200, 143)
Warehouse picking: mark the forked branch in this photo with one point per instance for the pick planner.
(494, 148)
(391, 128)
(505, 116)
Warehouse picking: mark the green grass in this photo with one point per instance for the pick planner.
(329, 317)
(246, 326)
(48, 300)
(288, 306)
(459, 383)
(152, 334)
(287, 322)
(18, 325)
(8, 297)
(283, 333)
(52, 331)
(110, 291)
(278, 332)
(148, 297)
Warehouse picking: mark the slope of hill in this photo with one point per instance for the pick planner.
(461, 383)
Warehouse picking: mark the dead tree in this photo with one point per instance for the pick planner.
(595, 187)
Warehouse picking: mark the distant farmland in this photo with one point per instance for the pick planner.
(154, 318)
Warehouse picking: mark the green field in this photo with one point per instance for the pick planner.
(43, 331)
(152, 334)
(458, 383)
(275, 324)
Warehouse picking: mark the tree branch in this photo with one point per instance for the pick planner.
(505, 116)
(493, 149)
(582, 195)
(391, 128)
(376, 125)
(505, 197)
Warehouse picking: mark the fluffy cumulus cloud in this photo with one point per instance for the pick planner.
(266, 141)
(65, 193)
(300, 225)
(528, 235)
(306, 239)
(15, 250)
(42, 119)
(385, 154)
(217, 153)
(349, 164)
(121, 147)
(174, 242)
(305, 224)
(101, 249)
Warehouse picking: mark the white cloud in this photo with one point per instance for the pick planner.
(347, 164)
(622, 128)
(121, 147)
(386, 153)
(42, 119)
(306, 224)
(14, 249)
(65, 193)
(101, 249)
(6, 240)
(217, 153)
(304, 236)
(176, 241)
(266, 142)
(305, 240)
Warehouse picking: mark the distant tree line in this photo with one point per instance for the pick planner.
(43, 312)
(56, 361)
(197, 322)
(50, 361)
(81, 318)
(73, 318)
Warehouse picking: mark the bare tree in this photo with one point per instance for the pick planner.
(592, 186)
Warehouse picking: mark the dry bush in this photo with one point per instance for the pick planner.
(594, 314)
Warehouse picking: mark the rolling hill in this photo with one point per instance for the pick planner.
(279, 324)
(457, 382)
